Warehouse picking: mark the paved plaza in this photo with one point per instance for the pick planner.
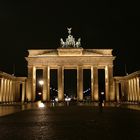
(69, 122)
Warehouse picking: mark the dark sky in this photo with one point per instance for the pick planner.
(41, 24)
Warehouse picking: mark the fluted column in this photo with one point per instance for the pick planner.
(106, 84)
(126, 90)
(117, 91)
(111, 88)
(132, 90)
(34, 84)
(60, 83)
(31, 86)
(1, 90)
(14, 91)
(129, 91)
(23, 92)
(110, 95)
(79, 83)
(135, 90)
(4, 90)
(122, 90)
(92, 89)
(134, 99)
(94, 84)
(46, 85)
(17, 93)
(44, 95)
(29, 83)
(138, 88)
(10, 91)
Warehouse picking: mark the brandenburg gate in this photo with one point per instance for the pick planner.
(70, 55)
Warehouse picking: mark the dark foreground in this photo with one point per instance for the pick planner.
(71, 123)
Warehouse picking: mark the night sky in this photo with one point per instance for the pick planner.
(41, 24)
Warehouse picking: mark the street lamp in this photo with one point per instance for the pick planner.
(41, 82)
(102, 93)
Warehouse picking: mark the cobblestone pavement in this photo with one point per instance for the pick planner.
(75, 122)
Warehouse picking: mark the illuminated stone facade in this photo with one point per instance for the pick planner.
(12, 89)
(127, 88)
(70, 56)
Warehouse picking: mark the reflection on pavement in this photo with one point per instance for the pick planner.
(6, 109)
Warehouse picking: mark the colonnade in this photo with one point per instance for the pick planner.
(31, 82)
(128, 87)
(10, 88)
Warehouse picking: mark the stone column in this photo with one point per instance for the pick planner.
(94, 84)
(79, 83)
(106, 84)
(34, 84)
(23, 92)
(109, 83)
(31, 86)
(92, 89)
(10, 91)
(44, 95)
(117, 92)
(111, 91)
(126, 90)
(1, 90)
(132, 90)
(135, 90)
(29, 83)
(13, 90)
(129, 91)
(138, 88)
(7, 90)
(46, 85)
(17, 93)
(60, 83)
(4, 90)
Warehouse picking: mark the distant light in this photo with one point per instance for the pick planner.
(102, 93)
(56, 99)
(39, 93)
(41, 82)
(67, 99)
(41, 105)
